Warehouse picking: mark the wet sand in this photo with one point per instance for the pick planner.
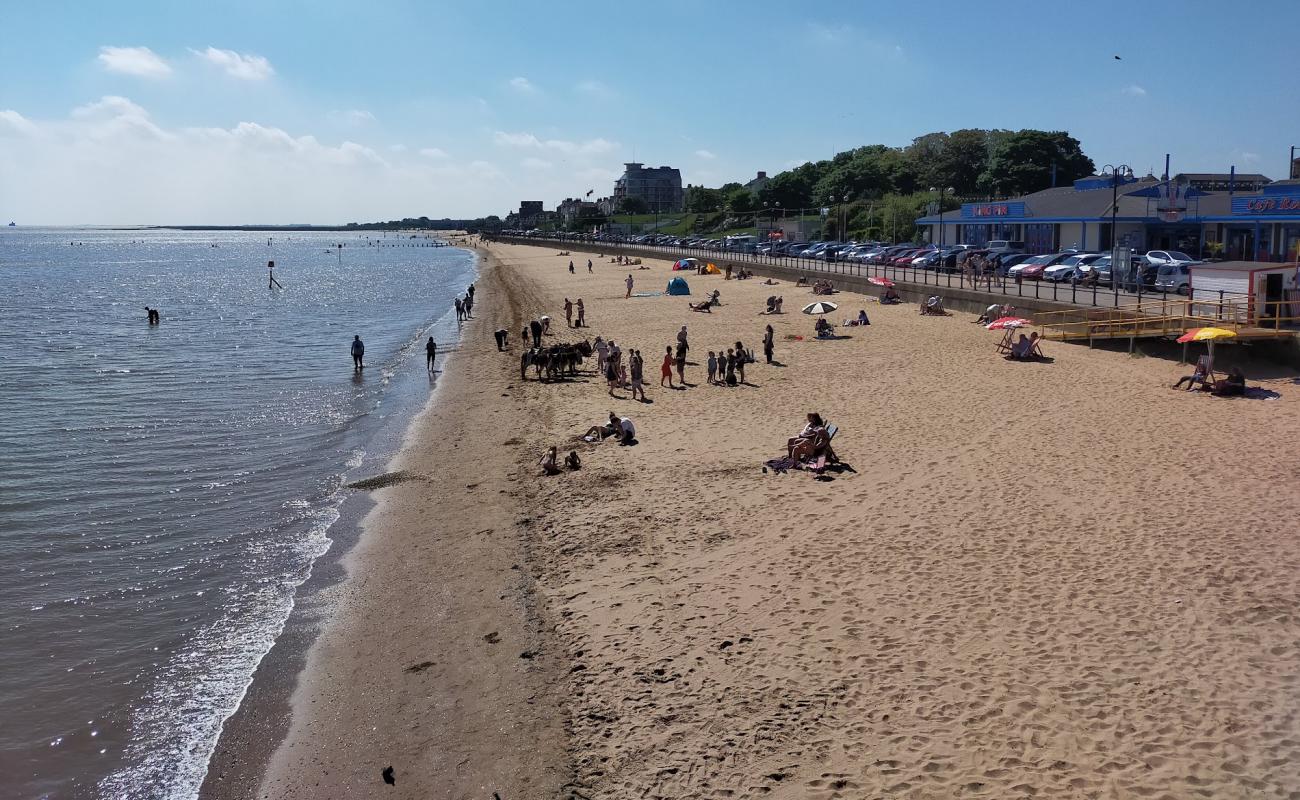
(1042, 579)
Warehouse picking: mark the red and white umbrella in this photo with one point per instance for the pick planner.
(1008, 322)
(880, 281)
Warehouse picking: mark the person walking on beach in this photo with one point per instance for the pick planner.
(470, 292)
(536, 327)
(469, 306)
(570, 267)
(589, 265)
(568, 313)
(358, 350)
(460, 310)
(768, 344)
(681, 340)
(501, 334)
(681, 364)
(638, 374)
(430, 353)
(629, 286)
(582, 314)
(602, 354)
(666, 369)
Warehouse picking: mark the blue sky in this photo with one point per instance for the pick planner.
(229, 112)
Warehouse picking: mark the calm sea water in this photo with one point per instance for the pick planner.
(164, 489)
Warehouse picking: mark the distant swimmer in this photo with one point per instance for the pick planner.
(358, 350)
(430, 352)
(154, 317)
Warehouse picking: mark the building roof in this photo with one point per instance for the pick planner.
(1244, 177)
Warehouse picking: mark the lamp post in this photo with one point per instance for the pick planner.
(941, 190)
(1115, 173)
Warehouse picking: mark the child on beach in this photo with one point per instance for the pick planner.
(666, 369)
(681, 363)
(713, 368)
(548, 463)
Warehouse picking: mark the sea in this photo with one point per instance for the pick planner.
(164, 489)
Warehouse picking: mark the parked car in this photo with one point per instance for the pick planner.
(1158, 257)
(1173, 278)
(1068, 269)
(1034, 261)
(1005, 244)
(1006, 260)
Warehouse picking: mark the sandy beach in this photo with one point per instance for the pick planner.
(1040, 579)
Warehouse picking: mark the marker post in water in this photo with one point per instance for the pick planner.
(270, 274)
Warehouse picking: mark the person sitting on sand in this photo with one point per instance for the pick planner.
(598, 433)
(1231, 386)
(572, 461)
(804, 441)
(771, 303)
(1198, 377)
(803, 281)
(890, 297)
(714, 299)
(862, 318)
(769, 282)
(779, 301)
(823, 328)
(933, 306)
(548, 462)
(703, 305)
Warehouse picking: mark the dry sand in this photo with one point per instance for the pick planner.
(1051, 580)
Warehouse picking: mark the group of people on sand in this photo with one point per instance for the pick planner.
(932, 306)
(774, 304)
(823, 287)
(465, 305)
(740, 274)
(728, 369)
(571, 270)
(1202, 379)
(570, 308)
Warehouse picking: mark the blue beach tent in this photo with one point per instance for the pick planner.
(678, 286)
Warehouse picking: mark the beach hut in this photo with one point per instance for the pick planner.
(1255, 291)
(678, 286)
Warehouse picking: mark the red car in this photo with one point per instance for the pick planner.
(904, 259)
(1034, 272)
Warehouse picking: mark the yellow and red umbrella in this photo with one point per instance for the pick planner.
(1209, 336)
(1206, 335)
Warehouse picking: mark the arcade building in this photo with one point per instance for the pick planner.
(1233, 217)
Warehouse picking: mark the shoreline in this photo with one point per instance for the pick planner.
(263, 755)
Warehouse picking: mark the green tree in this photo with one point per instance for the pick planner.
(633, 205)
(1022, 162)
(702, 200)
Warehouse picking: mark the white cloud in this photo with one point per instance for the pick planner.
(353, 116)
(244, 66)
(433, 152)
(1133, 90)
(535, 163)
(139, 61)
(529, 141)
(111, 116)
(523, 85)
(12, 122)
(705, 154)
(595, 90)
(397, 148)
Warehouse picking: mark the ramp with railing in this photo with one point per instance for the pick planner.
(1159, 319)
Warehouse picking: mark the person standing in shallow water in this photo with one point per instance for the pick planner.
(460, 310)
(358, 351)
(430, 353)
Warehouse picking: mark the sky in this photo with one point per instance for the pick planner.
(330, 112)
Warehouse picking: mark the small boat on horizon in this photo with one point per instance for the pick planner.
(12, 224)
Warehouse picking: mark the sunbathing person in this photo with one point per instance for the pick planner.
(771, 304)
(704, 305)
(1198, 377)
(1026, 348)
(862, 318)
(933, 306)
(804, 441)
(597, 433)
(779, 301)
(890, 297)
(572, 461)
(823, 328)
(803, 281)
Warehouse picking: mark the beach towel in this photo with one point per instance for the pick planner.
(647, 294)
(781, 465)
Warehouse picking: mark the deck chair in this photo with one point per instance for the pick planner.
(1004, 346)
(823, 452)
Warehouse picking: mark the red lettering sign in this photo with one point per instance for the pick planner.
(991, 211)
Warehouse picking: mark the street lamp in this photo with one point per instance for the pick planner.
(1115, 173)
(941, 190)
